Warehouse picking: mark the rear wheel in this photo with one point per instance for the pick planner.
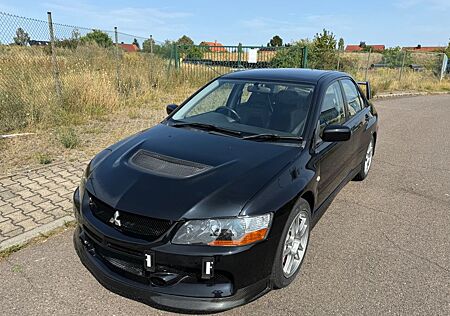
(292, 246)
(366, 163)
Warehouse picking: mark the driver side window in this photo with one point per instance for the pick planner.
(217, 98)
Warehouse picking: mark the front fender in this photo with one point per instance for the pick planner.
(294, 180)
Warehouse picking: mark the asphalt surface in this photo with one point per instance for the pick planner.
(383, 246)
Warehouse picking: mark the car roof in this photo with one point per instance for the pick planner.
(285, 74)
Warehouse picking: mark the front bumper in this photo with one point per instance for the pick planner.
(241, 274)
(150, 295)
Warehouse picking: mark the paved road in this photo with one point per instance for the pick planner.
(383, 247)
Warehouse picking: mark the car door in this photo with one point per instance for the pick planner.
(332, 158)
(358, 116)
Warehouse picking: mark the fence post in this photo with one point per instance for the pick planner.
(367, 65)
(151, 44)
(305, 57)
(403, 66)
(54, 61)
(177, 57)
(239, 55)
(116, 38)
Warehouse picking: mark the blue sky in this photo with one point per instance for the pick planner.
(254, 22)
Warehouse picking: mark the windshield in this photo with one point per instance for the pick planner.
(252, 107)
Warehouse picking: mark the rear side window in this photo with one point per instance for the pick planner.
(354, 99)
(332, 110)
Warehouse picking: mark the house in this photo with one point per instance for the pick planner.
(214, 46)
(362, 45)
(425, 49)
(129, 48)
(359, 48)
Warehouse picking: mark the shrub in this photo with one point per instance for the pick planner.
(101, 38)
(44, 158)
(69, 138)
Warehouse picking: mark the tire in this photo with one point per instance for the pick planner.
(366, 163)
(300, 214)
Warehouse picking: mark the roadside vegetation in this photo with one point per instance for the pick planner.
(102, 97)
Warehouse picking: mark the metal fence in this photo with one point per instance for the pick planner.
(398, 63)
(51, 72)
(210, 61)
(49, 69)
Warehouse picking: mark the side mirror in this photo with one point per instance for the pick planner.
(170, 108)
(336, 133)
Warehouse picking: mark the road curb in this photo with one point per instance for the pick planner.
(36, 232)
(408, 94)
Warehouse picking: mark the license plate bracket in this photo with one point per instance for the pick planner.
(149, 261)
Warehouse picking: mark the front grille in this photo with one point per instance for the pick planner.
(168, 166)
(131, 224)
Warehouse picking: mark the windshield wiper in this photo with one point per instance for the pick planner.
(208, 127)
(273, 137)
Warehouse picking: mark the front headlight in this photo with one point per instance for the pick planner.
(238, 231)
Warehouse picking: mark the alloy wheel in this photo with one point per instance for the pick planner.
(295, 244)
(368, 160)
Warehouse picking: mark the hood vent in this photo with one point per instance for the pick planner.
(167, 166)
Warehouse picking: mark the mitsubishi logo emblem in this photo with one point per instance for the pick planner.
(115, 219)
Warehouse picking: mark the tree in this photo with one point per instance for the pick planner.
(149, 45)
(185, 40)
(276, 41)
(76, 34)
(164, 50)
(101, 38)
(136, 43)
(322, 54)
(393, 57)
(22, 38)
(291, 56)
(341, 45)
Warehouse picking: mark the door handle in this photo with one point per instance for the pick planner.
(355, 127)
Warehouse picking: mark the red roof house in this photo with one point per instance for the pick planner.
(214, 46)
(358, 48)
(425, 49)
(129, 48)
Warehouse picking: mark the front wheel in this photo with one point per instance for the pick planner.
(292, 246)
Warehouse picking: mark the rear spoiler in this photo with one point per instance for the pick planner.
(368, 89)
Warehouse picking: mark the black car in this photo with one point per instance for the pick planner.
(213, 207)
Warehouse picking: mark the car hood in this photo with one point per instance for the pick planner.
(232, 171)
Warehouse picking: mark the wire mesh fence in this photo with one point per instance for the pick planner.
(55, 72)
(52, 72)
(209, 61)
(393, 68)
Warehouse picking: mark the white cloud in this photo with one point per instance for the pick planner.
(137, 20)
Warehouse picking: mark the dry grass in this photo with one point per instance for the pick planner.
(93, 135)
(88, 83)
(387, 80)
(98, 110)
